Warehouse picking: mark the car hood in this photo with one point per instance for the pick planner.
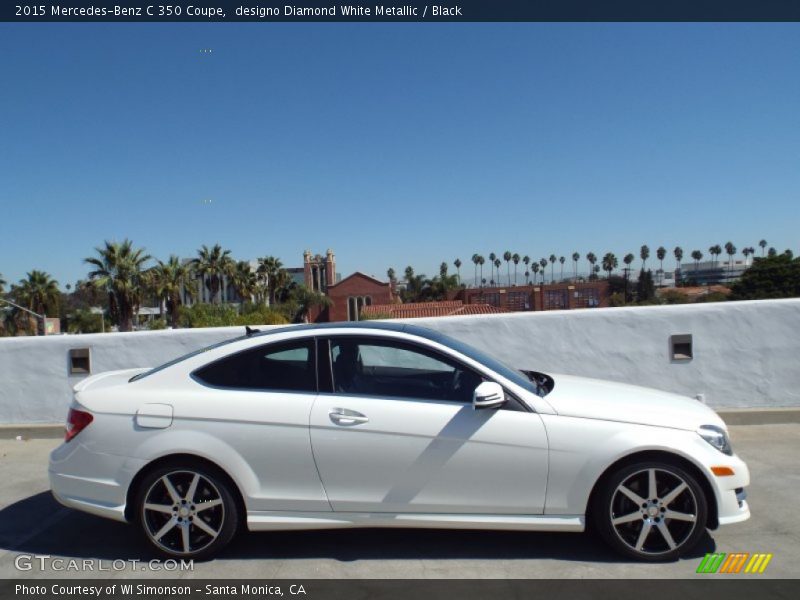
(597, 399)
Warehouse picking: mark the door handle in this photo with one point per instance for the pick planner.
(343, 416)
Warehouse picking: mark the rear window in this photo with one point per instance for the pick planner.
(288, 366)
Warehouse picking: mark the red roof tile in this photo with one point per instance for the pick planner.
(416, 310)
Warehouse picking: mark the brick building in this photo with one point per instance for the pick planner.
(350, 295)
(553, 296)
(416, 310)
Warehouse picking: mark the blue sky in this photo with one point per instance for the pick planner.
(395, 144)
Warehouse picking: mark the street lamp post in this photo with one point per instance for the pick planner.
(37, 315)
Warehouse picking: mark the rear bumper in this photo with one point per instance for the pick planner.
(92, 482)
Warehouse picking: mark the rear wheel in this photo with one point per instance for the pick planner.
(653, 511)
(186, 511)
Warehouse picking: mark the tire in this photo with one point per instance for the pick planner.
(627, 518)
(195, 519)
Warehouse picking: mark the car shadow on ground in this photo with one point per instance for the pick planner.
(39, 525)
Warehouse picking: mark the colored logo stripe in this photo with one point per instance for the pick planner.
(720, 562)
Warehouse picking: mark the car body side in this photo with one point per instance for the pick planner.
(263, 444)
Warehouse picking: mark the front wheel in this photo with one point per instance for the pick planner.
(186, 511)
(653, 511)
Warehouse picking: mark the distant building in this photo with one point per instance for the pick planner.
(352, 294)
(416, 310)
(552, 296)
(712, 272)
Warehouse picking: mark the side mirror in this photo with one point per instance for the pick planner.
(488, 395)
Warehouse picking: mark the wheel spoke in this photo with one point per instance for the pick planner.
(674, 494)
(662, 527)
(185, 537)
(646, 527)
(633, 496)
(162, 508)
(163, 531)
(630, 517)
(202, 525)
(679, 516)
(192, 488)
(173, 493)
(652, 490)
(207, 505)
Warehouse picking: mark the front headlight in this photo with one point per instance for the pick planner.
(717, 437)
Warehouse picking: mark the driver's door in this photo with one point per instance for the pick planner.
(396, 432)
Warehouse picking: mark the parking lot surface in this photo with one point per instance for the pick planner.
(33, 525)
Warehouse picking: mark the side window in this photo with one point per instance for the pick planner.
(380, 368)
(275, 367)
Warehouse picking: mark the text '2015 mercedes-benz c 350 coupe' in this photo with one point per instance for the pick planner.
(390, 425)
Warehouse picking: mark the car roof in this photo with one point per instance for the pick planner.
(378, 326)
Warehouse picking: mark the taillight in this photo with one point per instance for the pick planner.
(77, 421)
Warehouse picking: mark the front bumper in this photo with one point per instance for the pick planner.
(731, 494)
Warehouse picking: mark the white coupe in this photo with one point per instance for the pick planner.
(390, 425)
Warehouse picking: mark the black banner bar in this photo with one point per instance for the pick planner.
(270, 11)
(705, 588)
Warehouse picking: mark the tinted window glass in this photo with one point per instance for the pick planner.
(279, 367)
(375, 368)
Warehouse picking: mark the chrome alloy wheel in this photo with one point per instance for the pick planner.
(183, 512)
(654, 511)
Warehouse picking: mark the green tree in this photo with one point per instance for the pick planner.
(37, 292)
(730, 250)
(457, 264)
(475, 261)
(575, 258)
(492, 258)
(497, 264)
(644, 254)
(213, 265)
(269, 270)
(390, 274)
(553, 260)
(543, 264)
(763, 244)
(562, 260)
(507, 257)
(661, 254)
(2, 284)
(697, 257)
(645, 288)
(527, 261)
(168, 280)
(515, 259)
(772, 252)
(592, 258)
(481, 261)
(627, 259)
(610, 263)
(119, 273)
(769, 277)
(244, 280)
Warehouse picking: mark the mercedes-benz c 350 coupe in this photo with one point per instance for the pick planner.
(390, 425)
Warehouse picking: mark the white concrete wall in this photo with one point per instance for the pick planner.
(746, 354)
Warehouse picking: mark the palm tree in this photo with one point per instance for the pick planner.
(492, 258)
(527, 261)
(481, 262)
(745, 253)
(272, 274)
(497, 263)
(213, 264)
(543, 263)
(38, 292)
(730, 250)
(763, 244)
(118, 272)
(168, 280)
(697, 256)
(627, 259)
(515, 259)
(507, 258)
(457, 263)
(535, 268)
(609, 263)
(475, 258)
(592, 258)
(678, 253)
(575, 258)
(390, 274)
(661, 254)
(244, 281)
(562, 260)
(553, 260)
(644, 254)
(2, 284)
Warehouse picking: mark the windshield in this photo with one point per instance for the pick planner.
(521, 378)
